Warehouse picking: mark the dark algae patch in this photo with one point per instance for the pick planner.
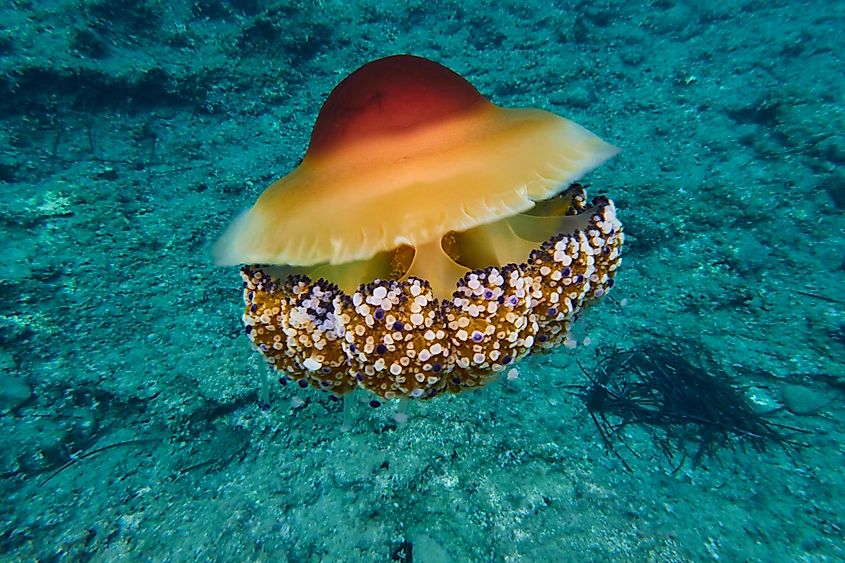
(690, 411)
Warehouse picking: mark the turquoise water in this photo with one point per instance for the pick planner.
(132, 133)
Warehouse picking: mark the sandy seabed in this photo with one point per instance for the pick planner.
(132, 132)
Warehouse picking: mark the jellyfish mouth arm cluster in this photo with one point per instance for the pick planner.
(397, 339)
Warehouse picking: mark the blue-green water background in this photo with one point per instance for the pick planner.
(131, 133)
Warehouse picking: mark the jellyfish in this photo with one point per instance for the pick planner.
(428, 240)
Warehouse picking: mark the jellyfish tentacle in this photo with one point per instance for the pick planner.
(432, 263)
(390, 264)
(491, 244)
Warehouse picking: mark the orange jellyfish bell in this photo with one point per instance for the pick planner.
(427, 240)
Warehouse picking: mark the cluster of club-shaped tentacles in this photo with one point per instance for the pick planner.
(395, 339)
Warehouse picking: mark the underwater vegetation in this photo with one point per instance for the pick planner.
(691, 412)
(428, 240)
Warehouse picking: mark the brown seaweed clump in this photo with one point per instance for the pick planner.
(690, 412)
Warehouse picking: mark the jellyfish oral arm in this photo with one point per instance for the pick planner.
(433, 264)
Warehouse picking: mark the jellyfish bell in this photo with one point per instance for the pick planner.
(445, 234)
(403, 152)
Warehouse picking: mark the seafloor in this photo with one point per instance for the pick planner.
(133, 131)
